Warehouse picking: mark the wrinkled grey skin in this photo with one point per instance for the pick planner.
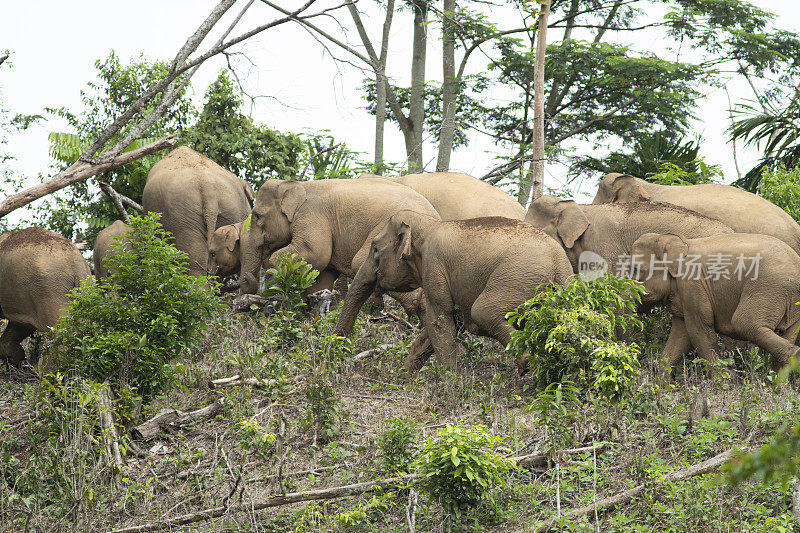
(459, 196)
(477, 269)
(102, 246)
(328, 223)
(224, 251)
(38, 269)
(610, 230)
(760, 310)
(195, 196)
(742, 211)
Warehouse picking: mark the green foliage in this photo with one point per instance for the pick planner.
(571, 332)
(254, 438)
(253, 152)
(698, 171)
(291, 277)
(366, 512)
(324, 407)
(772, 127)
(781, 186)
(460, 467)
(398, 445)
(557, 408)
(329, 162)
(129, 326)
(116, 87)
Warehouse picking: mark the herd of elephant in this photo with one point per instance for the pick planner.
(453, 250)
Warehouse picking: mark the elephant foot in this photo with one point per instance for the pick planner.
(10, 347)
(418, 354)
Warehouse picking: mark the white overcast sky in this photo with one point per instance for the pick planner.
(54, 45)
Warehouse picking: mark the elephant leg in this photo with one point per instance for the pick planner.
(489, 316)
(762, 335)
(419, 353)
(437, 317)
(678, 344)
(325, 280)
(10, 348)
(704, 338)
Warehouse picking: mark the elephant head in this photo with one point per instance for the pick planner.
(224, 257)
(620, 188)
(390, 265)
(563, 220)
(269, 227)
(657, 260)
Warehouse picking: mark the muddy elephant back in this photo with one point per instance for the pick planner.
(459, 196)
(38, 269)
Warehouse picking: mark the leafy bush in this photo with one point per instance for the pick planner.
(696, 171)
(398, 445)
(782, 188)
(460, 467)
(129, 326)
(571, 333)
(291, 276)
(557, 407)
(324, 408)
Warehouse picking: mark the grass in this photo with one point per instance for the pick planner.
(52, 474)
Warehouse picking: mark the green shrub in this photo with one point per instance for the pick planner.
(697, 171)
(460, 467)
(571, 334)
(128, 327)
(291, 276)
(557, 408)
(324, 407)
(782, 187)
(398, 445)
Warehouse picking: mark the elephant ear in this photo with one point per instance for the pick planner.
(248, 193)
(292, 195)
(231, 237)
(673, 247)
(571, 223)
(404, 241)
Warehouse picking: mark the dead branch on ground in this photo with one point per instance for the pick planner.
(172, 418)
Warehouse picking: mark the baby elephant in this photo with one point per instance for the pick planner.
(224, 256)
(741, 285)
(476, 270)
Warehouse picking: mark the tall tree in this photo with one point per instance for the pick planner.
(537, 159)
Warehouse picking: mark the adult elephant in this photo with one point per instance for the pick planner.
(459, 196)
(328, 223)
(610, 230)
(477, 270)
(38, 269)
(743, 286)
(742, 211)
(195, 196)
(102, 246)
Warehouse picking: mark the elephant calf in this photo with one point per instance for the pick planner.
(38, 269)
(102, 246)
(741, 285)
(478, 269)
(224, 251)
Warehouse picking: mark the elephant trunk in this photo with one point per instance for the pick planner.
(360, 290)
(252, 256)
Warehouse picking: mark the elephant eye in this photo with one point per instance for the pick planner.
(213, 254)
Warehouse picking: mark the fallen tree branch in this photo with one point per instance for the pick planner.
(275, 501)
(110, 436)
(234, 381)
(267, 479)
(541, 459)
(243, 302)
(610, 502)
(79, 171)
(372, 352)
(120, 200)
(173, 418)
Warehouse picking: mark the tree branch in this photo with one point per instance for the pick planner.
(120, 199)
(79, 171)
(310, 159)
(3, 58)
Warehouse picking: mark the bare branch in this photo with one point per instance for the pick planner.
(119, 200)
(3, 58)
(79, 171)
(501, 171)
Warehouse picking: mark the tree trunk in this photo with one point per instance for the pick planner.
(380, 89)
(416, 112)
(449, 89)
(537, 164)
